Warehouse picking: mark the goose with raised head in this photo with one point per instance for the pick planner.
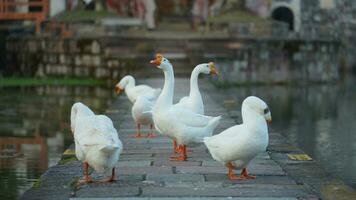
(97, 143)
(128, 84)
(182, 125)
(194, 101)
(236, 146)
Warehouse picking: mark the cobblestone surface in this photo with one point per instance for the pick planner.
(145, 172)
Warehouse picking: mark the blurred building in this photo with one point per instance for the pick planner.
(310, 19)
(57, 6)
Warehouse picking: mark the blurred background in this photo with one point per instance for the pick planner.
(298, 55)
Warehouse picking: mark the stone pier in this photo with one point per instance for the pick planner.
(145, 172)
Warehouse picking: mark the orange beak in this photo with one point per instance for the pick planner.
(158, 60)
(269, 121)
(118, 90)
(212, 69)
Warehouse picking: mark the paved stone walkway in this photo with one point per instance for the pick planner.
(145, 172)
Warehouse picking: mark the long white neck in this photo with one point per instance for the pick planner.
(73, 115)
(254, 121)
(76, 112)
(165, 99)
(194, 88)
(130, 82)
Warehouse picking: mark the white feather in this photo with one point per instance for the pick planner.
(96, 140)
(241, 143)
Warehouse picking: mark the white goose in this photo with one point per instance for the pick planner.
(194, 101)
(236, 146)
(132, 91)
(183, 125)
(142, 113)
(96, 141)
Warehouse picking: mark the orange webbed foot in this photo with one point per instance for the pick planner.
(249, 177)
(245, 174)
(108, 180)
(182, 149)
(85, 180)
(178, 158)
(138, 135)
(234, 177)
(151, 135)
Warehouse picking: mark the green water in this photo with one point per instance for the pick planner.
(34, 130)
(320, 119)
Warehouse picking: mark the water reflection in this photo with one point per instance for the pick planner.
(318, 118)
(34, 130)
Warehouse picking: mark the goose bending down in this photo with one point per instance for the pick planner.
(142, 113)
(182, 125)
(127, 83)
(236, 146)
(194, 101)
(96, 141)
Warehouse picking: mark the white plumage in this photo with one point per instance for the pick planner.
(183, 125)
(132, 91)
(194, 101)
(96, 140)
(142, 109)
(142, 112)
(238, 145)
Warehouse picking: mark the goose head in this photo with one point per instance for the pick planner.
(258, 106)
(208, 68)
(73, 115)
(162, 62)
(122, 84)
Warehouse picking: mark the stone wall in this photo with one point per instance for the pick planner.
(315, 19)
(276, 61)
(75, 57)
(335, 18)
(240, 60)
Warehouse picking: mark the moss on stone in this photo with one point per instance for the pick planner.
(37, 184)
(66, 160)
(19, 81)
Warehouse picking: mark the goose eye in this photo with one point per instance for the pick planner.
(265, 111)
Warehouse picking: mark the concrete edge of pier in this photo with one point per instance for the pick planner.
(283, 172)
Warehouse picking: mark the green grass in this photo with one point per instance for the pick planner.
(12, 82)
(84, 15)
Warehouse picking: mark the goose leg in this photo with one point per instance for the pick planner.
(138, 133)
(231, 174)
(175, 147)
(112, 178)
(180, 150)
(183, 154)
(245, 174)
(151, 134)
(86, 178)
